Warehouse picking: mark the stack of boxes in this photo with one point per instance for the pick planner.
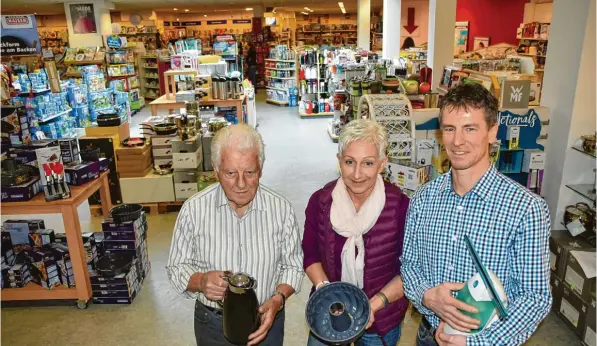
(573, 289)
(134, 162)
(409, 175)
(188, 164)
(129, 239)
(107, 144)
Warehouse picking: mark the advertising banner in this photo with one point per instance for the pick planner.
(83, 18)
(19, 35)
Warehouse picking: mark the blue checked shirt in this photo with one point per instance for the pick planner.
(509, 227)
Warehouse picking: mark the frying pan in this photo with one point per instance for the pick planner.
(114, 264)
(161, 129)
(134, 142)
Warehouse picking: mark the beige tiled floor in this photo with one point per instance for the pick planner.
(299, 160)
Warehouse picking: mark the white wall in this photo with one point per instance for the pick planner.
(569, 93)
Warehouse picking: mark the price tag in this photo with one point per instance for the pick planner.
(575, 227)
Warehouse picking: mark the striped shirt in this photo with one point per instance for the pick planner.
(509, 227)
(264, 242)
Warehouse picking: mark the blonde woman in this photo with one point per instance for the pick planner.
(354, 231)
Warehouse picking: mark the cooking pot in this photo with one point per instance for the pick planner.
(588, 144)
(108, 119)
(240, 316)
(161, 129)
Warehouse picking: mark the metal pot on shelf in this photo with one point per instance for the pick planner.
(234, 84)
(222, 88)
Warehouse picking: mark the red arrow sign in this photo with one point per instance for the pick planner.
(410, 25)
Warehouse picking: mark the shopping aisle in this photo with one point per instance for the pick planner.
(300, 158)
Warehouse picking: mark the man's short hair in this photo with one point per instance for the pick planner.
(471, 96)
(242, 137)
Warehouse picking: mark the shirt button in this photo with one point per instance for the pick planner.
(450, 268)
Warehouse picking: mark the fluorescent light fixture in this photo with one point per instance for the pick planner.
(175, 9)
(249, 9)
(341, 4)
(307, 8)
(186, 10)
(205, 15)
(274, 11)
(305, 13)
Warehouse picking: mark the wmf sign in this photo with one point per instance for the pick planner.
(515, 94)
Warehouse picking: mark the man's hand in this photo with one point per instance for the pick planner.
(376, 305)
(444, 339)
(439, 299)
(212, 285)
(268, 312)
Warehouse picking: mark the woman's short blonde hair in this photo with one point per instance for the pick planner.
(364, 130)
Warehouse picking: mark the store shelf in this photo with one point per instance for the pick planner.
(584, 152)
(539, 70)
(277, 60)
(149, 57)
(85, 62)
(532, 39)
(152, 87)
(276, 102)
(74, 74)
(33, 291)
(584, 190)
(331, 132)
(537, 55)
(123, 76)
(150, 67)
(279, 69)
(285, 78)
(33, 92)
(321, 114)
(274, 88)
(51, 117)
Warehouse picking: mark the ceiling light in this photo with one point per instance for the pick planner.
(305, 13)
(175, 9)
(249, 9)
(205, 15)
(34, 12)
(177, 19)
(307, 8)
(186, 10)
(310, 10)
(343, 10)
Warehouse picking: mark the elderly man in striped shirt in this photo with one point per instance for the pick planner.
(508, 225)
(237, 225)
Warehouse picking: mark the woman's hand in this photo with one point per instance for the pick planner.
(376, 304)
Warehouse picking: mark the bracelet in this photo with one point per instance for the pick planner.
(383, 298)
(323, 283)
(283, 299)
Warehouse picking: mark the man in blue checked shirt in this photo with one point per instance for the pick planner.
(508, 225)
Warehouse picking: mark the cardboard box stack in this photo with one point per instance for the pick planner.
(572, 263)
(134, 161)
(107, 145)
(187, 162)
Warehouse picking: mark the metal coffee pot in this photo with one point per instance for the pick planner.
(240, 304)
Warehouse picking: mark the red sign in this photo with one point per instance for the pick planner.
(17, 20)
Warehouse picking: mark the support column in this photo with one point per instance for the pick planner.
(391, 28)
(440, 51)
(100, 20)
(364, 24)
(571, 108)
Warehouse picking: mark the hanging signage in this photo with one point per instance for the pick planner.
(191, 23)
(175, 23)
(166, 23)
(225, 45)
(216, 22)
(83, 18)
(114, 41)
(241, 21)
(19, 35)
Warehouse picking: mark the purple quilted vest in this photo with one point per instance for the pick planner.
(383, 248)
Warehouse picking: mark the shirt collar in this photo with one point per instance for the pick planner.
(258, 203)
(481, 189)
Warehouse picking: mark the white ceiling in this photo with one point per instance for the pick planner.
(49, 7)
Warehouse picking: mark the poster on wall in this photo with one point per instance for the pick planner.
(460, 37)
(19, 35)
(83, 18)
(225, 45)
(480, 42)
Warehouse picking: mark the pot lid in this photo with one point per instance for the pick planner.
(240, 280)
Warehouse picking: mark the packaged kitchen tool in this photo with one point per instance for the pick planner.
(51, 171)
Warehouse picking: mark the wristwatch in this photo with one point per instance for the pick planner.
(283, 299)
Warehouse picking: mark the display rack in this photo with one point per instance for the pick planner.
(150, 78)
(279, 75)
(133, 82)
(313, 81)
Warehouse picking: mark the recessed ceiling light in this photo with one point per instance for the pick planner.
(186, 10)
(205, 15)
(305, 13)
(34, 12)
(307, 8)
(177, 19)
(175, 9)
(249, 9)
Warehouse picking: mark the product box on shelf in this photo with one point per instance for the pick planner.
(186, 183)
(114, 186)
(107, 144)
(533, 159)
(406, 175)
(90, 249)
(31, 225)
(424, 151)
(188, 160)
(17, 117)
(23, 192)
(118, 133)
(18, 275)
(162, 161)
(23, 156)
(80, 174)
(513, 137)
(136, 226)
(160, 141)
(104, 164)
(589, 336)
(49, 160)
(575, 276)
(65, 266)
(573, 310)
(134, 162)
(44, 270)
(41, 237)
(190, 145)
(162, 151)
(560, 244)
(152, 188)
(70, 150)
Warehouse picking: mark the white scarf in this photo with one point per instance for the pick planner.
(352, 225)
